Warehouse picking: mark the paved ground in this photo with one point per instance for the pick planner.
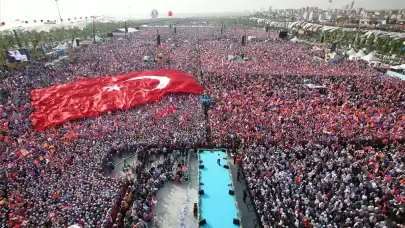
(246, 210)
(172, 198)
(176, 202)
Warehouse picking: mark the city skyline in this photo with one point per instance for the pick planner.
(46, 9)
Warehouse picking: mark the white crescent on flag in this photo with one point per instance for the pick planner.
(163, 80)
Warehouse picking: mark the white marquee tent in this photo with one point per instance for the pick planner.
(371, 58)
(230, 57)
(399, 67)
(295, 40)
(360, 54)
(60, 47)
(351, 52)
(252, 38)
(74, 226)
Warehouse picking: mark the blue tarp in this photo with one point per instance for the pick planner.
(332, 60)
(60, 52)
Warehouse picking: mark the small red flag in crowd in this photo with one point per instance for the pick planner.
(183, 123)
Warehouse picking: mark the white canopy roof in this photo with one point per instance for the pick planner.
(251, 38)
(321, 28)
(399, 67)
(360, 54)
(371, 58)
(295, 40)
(97, 38)
(351, 52)
(74, 226)
(60, 47)
(312, 86)
(130, 30)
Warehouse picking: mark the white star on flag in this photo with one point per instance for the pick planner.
(112, 88)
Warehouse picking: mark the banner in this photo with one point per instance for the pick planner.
(16, 56)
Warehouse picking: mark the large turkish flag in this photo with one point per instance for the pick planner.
(92, 97)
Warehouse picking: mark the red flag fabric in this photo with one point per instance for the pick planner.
(160, 114)
(184, 120)
(92, 97)
(171, 109)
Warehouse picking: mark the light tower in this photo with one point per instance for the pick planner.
(57, 6)
(351, 5)
(330, 4)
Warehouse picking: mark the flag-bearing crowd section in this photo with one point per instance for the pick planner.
(92, 97)
(306, 153)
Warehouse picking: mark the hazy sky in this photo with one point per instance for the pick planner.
(46, 9)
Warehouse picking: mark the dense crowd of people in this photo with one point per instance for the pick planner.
(320, 186)
(156, 168)
(58, 177)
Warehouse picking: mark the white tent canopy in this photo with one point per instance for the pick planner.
(251, 38)
(312, 86)
(295, 40)
(371, 58)
(351, 52)
(399, 67)
(332, 55)
(74, 226)
(230, 57)
(130, 30)
(97, 38)
(360, 54)
(60, 47)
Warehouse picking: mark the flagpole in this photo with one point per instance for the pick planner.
(129, 18)
(57, 6)
(94, 32)
(126, 29)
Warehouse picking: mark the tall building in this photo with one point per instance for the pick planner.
(305, 16)
(270, 8)
(330, 16)
(313, 16)
(321, 17)
(351, 5)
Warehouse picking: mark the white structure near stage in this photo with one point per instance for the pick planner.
(121, 32)
(371, 58)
